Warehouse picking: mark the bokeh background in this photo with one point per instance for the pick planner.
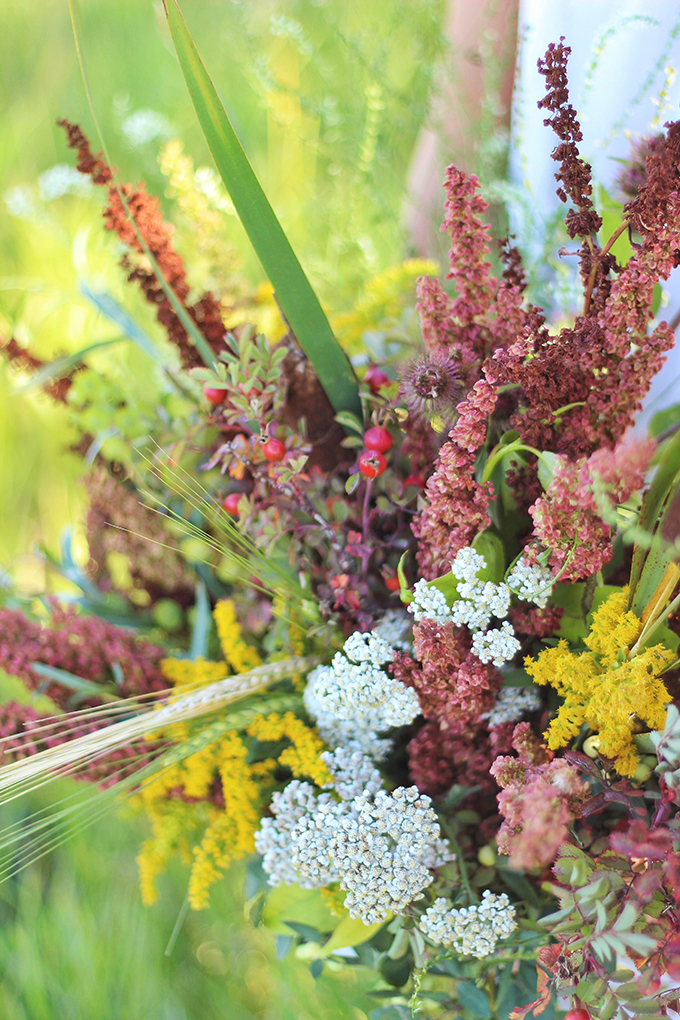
(329, 98)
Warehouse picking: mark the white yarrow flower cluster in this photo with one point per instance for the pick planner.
(273, 838)
(428, 604)
(357, 734)
(467, 564)
(511, 705)
(472, 931)
(498, 645)
(355, 687)
(295, 810)
(381, 847)
(354, 773)
(480, 600)
(384, 853)
(531, 583)
(395, 627)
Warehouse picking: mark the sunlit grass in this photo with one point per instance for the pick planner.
(75, 942)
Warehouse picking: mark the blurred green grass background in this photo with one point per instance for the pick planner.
(327, 97)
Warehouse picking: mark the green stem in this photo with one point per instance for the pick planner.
(499, 452)
(474, 898)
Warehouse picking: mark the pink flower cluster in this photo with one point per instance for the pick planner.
(83, 645)
(438, 758)
(487, 313)
(539, 799)
(454, 689)
(457, 503)
(571, 519)
(457, 509)
(453, 686)
(469, 265)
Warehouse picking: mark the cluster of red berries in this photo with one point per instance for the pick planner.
(377, 442)
(274, 451)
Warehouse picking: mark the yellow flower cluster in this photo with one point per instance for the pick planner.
(185, 799)
(239, 657)
(302, 757)
(603, 687)
(385, 297)
(188, 673)
(231, 832)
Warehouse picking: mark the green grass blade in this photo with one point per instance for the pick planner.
(86, 688)
(664, 476)
(293, 290)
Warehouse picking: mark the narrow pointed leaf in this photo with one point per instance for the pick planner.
(297, 299)
(110, 308)
(86, 688)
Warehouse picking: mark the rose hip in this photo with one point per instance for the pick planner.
(372, 463)
(378, 439)
(230, 503)
(274, 450)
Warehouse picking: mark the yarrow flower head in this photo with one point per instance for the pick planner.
(357, 734)
(381, 847)
(395, 628)
(497, 645)
(531, 582)
(356, 688)
(385, 850)
(512, 703)
(429, 604)
(273, 838)
(480, 600)
(467, 564)
(477, 603)
(472, 931)
(353, 773)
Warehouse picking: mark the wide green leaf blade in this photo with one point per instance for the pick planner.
(297, 299)
(664, 476)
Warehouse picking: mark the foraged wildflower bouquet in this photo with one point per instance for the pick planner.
(407, 642)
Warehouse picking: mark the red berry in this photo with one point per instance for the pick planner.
(372, 463)
(230, 503)
(274, 450)
(577, 1014)
(392, 583)
(378, 439)
(214, 395)
(416, 480)
(376, 378)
